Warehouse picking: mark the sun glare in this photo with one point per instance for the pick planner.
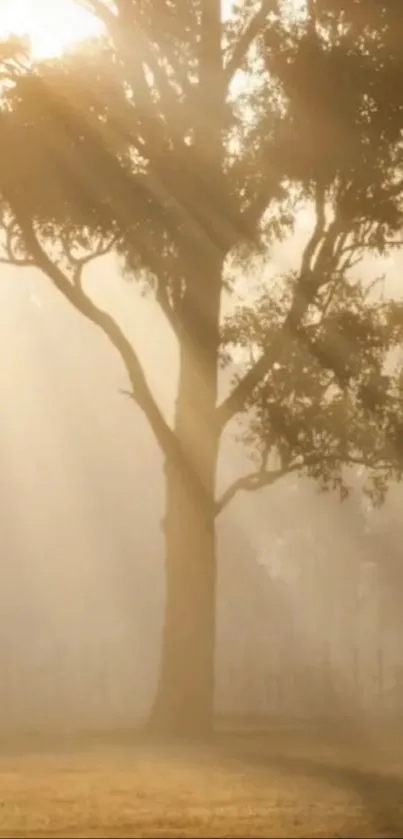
(53, 26)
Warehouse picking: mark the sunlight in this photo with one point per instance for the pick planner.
(52, 25)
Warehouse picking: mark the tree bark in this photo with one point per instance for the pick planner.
(184, 703)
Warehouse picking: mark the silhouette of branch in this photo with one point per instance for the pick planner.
(11, 258)
(317, 269)
(140, 391)
(304, 295)
(252, 482)
(265, 478)
(162, 298)
(251, 31)
(79, 263)
(144, 53)
(102, 249)
(98, 9)
(17, 263)
(318, 231)
(168, 98)
(14, 57)
(237, 399)
(74, 294)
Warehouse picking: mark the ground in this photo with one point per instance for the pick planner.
(291, 782)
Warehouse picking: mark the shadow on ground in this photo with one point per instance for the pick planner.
(281, 781)
(370, 766)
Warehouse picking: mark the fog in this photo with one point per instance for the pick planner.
(307, 621)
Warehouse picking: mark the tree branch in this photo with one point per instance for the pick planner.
(120, 27)
(237, 399)
(74, 294)
(98, 9)
(79, 263)
(303, 297)
(134, 60)
(251, 482)
(318, 231)
(162, 298)
(168, 98)
(265, 478)
(141, 393)
(313, 275)
(251, 31)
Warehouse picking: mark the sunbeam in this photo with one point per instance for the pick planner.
(53, 26)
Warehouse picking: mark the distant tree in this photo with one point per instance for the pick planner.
(187, 143)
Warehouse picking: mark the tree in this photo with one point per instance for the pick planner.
(187, 144)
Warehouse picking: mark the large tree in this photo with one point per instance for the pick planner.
(187, 140)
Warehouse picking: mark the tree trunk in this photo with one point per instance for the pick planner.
(184, 703)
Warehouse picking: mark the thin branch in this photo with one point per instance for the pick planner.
(250, 483)
(362, 247)
(312, 18)
(126, 30)
(98, 9)
(168, 98)
(375, 283)
(251, 31)
(318, 231)
(171, 59)
(79, 263)
(17, 263)
(105, 322)
(313, 276)
(324, 308)
(326, 259)
(304, 295)
(11, 258)
(262, 479)
(133, 59)
(253, 213)
(162, 298)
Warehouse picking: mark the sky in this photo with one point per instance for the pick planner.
(53, 25)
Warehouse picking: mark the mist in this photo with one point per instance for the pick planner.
(305, 620)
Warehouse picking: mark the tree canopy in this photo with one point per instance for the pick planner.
(313, 113)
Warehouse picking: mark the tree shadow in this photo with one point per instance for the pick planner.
(381, 793)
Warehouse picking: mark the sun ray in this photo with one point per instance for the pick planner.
(51, 25)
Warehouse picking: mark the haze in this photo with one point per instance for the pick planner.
(81, 592)
(112, 722)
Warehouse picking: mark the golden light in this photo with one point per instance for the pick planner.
(53, 26)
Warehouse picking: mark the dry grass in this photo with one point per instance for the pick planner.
(285, 783)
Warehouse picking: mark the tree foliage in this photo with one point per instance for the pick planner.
(173, 147)
(334, 398)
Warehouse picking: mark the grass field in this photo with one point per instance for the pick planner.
(288, 782)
